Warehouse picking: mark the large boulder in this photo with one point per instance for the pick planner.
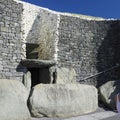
(65, 75)
(13, 101)
(107, 93)
(62, 100)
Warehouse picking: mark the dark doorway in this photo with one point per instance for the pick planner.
(40, 75)
(34, 76)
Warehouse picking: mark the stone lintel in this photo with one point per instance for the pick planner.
(35, 63)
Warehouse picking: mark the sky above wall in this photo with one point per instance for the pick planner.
(98, 8)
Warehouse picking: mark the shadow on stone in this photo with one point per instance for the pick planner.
(109, 53)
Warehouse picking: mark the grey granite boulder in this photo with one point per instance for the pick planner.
(27, 80)
(65, 75)
(62, 100)
(13, 101)
(108, 91)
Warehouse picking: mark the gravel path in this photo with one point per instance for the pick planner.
(116, 117)
(100, 114)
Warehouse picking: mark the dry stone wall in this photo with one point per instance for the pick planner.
(89, 46)
(10, 40)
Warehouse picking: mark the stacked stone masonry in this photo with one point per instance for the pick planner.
(87, 44)
(10, 40)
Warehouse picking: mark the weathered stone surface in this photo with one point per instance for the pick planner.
(108, 91)
(65, 75)
(13, 100)
(53, 74)
(40, 28)
(90, 46)
(11, 40)
(62, 100)
(36, 63)
(27, 80)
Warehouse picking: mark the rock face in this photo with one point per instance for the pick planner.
(13, 101)
(62, 100)
(27, 80)
(65, 75)
(108, 91)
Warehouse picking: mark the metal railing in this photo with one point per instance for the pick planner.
(99, 73)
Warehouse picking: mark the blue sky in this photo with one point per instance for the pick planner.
(98, 8)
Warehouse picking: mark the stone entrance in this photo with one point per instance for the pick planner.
(41, 70)
(40, 75)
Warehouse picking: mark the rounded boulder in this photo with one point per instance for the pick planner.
(62, 100)
(13, 100)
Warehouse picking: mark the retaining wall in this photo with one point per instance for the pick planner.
(89, 46)
(10, 40)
